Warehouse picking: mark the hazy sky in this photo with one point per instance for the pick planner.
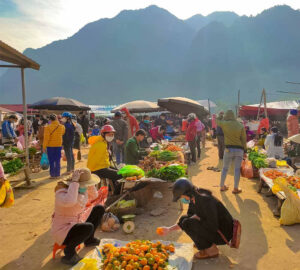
(35, 23)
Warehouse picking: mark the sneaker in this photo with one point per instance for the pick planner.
(93, 242)
(71, 261)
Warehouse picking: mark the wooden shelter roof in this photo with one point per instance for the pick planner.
(11, 55)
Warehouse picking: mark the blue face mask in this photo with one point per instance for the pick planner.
(82, 190)
(147, 121)
(185, 201)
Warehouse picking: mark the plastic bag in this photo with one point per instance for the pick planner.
(87, 264)
(44, 162)
(247, 169)
(9, 198)
(131, 170)
(82, 138)
(109, 223)
(278, 183)
(290, 210)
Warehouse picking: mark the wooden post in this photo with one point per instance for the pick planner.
(27, 178)
(265, 102)
(261, 100)
(238, 109)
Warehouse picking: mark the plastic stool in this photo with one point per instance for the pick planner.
(57, 247)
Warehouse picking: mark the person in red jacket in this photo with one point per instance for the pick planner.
(264, 123)
(132, 123)
(191, 135)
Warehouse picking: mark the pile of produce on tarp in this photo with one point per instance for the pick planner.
(166, 164)
(170, 173)
(147, 254)
(12, 166)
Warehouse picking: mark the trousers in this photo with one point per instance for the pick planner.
(202, 238)
(83, 232)
(235, 156)
(119, 152)
(110, 174)
(192, 146)
(198, 144)
(54, 156)
(221, 146)
(70, 157)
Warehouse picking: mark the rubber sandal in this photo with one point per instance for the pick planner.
(210, 168)
(237, 192)
(224, 188)
(202, 255)
(216, 170)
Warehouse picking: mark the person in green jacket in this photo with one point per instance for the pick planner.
(235, 147)
(133, 152)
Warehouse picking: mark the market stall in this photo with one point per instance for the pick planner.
(19, 60)
(281, 180)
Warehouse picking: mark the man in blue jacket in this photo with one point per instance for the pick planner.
(68, 140)
(8, 133)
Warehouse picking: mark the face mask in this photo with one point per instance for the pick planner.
(40, 122)
(185, 201)
(109, 138)
(82, 190)
(146, 121)
(64, 120)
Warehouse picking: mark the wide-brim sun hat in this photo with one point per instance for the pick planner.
(295, 138)
(86, 179)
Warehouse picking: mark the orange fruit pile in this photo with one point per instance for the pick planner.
(137, 255)
(273, 174)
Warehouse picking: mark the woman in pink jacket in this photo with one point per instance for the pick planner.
(72, 222)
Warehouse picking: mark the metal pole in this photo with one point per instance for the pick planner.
(27, 178)
(208, 101)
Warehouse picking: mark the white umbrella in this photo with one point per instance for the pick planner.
(138, 106)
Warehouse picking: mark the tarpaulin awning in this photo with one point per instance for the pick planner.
(60, 103)
(139, 106)
(273, 108)
(182, 105)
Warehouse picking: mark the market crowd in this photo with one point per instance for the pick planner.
(126, 139)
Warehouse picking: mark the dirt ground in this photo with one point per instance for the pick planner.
(26, 241)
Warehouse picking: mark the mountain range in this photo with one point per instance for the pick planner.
(150, 53)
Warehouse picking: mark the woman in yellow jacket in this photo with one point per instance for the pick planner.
(99, 156)
(53, 134)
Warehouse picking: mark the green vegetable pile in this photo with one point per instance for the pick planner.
(32, 151)
(12, 166)
(131, 170)
(165, 155)
(170, 173)
(16, 150)
(258, 160)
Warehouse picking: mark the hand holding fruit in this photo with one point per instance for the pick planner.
(163, 231)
